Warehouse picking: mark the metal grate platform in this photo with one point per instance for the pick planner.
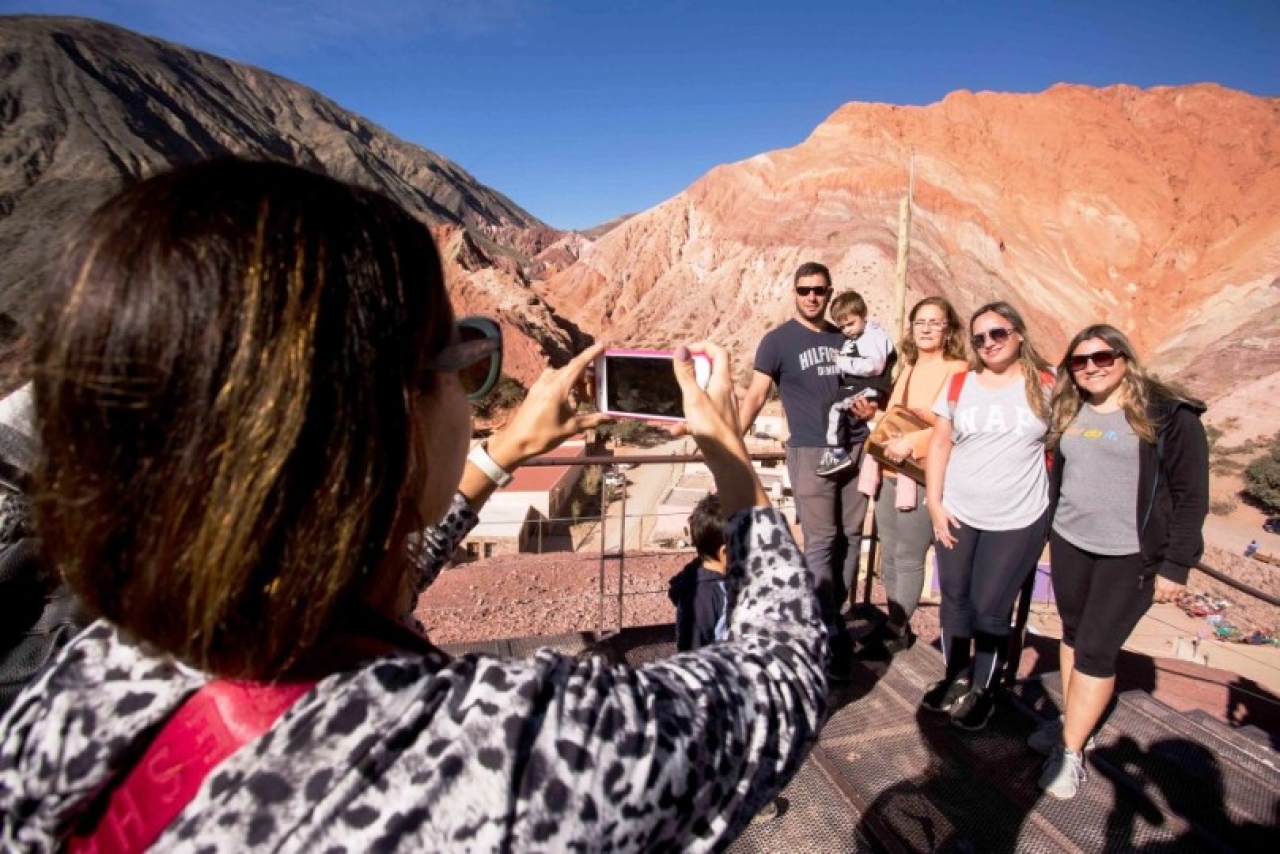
(888, 776)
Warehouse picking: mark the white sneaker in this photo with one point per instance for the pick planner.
(1063, 774)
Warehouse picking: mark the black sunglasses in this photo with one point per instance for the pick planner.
(476, 357)
(806, 290)
(1100, 358)
(999, 335)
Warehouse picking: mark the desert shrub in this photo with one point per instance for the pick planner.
(1226, 465)
(1262, 478)
(507, 394)
(624, 431)
(1213, 433)
(1223, 506)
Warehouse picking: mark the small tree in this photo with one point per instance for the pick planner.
(507, 394)
(1262, 479)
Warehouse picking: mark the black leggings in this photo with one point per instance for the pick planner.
(981, 574)
(1100, 598)
(980, 577)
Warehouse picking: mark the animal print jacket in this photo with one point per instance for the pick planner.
(427, 753)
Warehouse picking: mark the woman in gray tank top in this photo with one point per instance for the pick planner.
(1130, 483)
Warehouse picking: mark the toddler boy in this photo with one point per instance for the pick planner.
(866, 363)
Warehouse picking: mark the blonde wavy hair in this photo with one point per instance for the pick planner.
(1034, 365)
(1137, 390)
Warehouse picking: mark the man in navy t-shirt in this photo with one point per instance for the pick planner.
(800, 356)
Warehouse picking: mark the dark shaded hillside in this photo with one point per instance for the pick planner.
(85, 107)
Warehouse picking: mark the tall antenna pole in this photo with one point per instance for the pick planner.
(898, 318)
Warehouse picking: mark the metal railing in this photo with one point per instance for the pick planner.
(608, 554)
(867, 573)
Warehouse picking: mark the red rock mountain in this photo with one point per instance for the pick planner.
(1157, 210)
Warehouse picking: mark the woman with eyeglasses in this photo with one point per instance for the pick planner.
(932, 350)
(253, 399)
(988, 498)
(1130, 485)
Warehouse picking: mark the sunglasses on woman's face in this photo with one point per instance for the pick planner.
(476, 356)
(1100, 358)
(999, 335)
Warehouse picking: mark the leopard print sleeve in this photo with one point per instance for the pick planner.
(431, 549)
(719, 731)
(476, 753)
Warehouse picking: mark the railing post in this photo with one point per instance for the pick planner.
(622, 547)
(604, 508)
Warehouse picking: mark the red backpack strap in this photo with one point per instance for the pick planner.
(953, 390)
(212, 724)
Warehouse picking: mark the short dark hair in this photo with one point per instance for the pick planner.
(812, 268)
(706, 526)
(224, 377)
(846, 303)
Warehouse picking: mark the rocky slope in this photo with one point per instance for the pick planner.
(1157, 210)
(86, 107)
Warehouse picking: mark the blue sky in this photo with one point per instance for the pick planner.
(582, 110)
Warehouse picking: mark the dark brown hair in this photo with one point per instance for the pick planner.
(706, 527)
(846, 303)
(15, 355)
(223, 382)
(812, 268)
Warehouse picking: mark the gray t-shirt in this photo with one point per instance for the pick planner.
(996, 478)
(1097, 510)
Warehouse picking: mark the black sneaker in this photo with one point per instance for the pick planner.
(834, 461)
(972, 711)
(942, 695)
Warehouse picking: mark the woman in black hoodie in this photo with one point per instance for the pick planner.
(1129, 491)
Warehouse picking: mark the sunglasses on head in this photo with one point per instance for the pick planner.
(815, 290)
(999, 335)
(1100, 358)
(476, 356)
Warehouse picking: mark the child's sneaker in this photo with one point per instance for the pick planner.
(942, 695)
(972, 711)
(834, 461)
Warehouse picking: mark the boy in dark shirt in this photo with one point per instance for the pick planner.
(698, 590)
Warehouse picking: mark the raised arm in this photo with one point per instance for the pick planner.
(724, 727)
(544, 420)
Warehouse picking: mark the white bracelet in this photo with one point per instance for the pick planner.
(479, 457)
